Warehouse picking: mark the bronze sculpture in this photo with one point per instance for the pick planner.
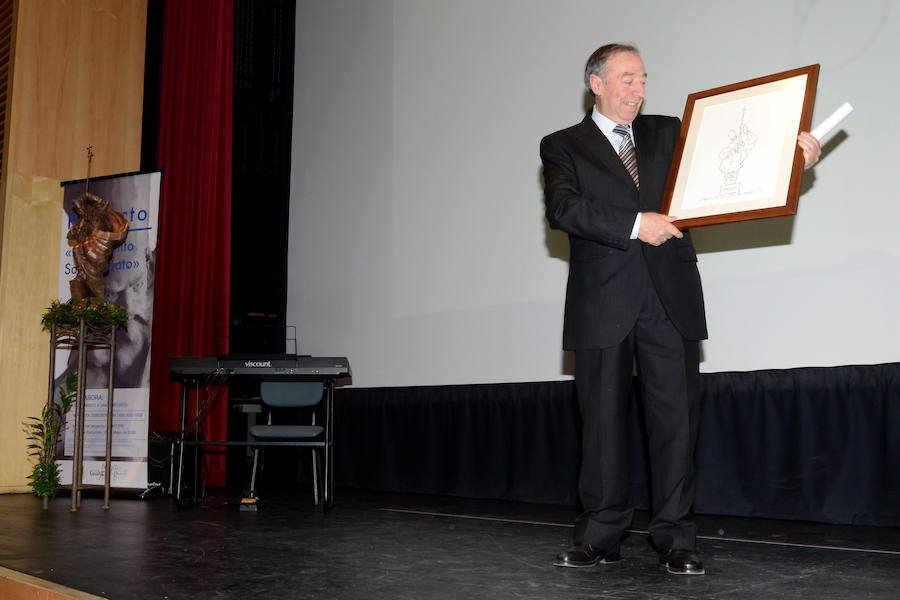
(93, 238)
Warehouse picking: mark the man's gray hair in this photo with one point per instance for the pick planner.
(596, 63)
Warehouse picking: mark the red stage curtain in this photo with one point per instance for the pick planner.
(191, 307)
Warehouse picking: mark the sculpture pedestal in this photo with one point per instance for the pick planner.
(81, 339)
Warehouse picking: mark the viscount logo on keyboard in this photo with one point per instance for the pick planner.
(258, 363)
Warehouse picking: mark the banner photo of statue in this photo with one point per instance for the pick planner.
(108, 248)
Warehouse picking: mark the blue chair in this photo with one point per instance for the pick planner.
(301, 395)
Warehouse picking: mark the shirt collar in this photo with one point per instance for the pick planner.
(607, 125)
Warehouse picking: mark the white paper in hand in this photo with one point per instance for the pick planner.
(826, 127)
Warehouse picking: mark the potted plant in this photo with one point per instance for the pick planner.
(43, 435)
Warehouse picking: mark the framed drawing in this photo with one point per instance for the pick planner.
(737, 156)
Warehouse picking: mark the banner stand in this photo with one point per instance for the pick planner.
(129, 285)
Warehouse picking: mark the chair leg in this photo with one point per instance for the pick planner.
(328, 477)
(315, 463)
(253, 476)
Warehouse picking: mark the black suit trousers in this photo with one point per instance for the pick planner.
(668, 368)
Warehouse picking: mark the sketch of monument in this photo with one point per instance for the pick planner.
(732, 157)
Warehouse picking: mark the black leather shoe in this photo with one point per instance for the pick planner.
(585, 555)
(682, 562)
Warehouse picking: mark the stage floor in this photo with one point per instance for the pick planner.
(379, 545)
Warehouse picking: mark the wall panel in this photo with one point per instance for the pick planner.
(77, 79)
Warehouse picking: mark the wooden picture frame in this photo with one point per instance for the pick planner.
(737, 156)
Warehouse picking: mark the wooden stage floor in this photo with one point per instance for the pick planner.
(385, 545)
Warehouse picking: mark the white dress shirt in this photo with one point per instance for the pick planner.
(607, 125)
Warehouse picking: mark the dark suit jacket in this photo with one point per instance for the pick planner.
(591, 196)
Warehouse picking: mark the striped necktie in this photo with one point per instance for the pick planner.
(626, 153)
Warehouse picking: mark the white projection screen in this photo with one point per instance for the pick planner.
(418, 242)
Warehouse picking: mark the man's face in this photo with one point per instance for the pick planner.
(621, 95)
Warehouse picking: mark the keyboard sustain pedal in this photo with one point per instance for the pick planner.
(249, 504)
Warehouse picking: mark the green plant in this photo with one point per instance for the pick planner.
(95, 312)
(43, 435)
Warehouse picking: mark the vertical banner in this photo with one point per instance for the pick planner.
(128, 284)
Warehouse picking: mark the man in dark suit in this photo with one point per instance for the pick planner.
(633, 298)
